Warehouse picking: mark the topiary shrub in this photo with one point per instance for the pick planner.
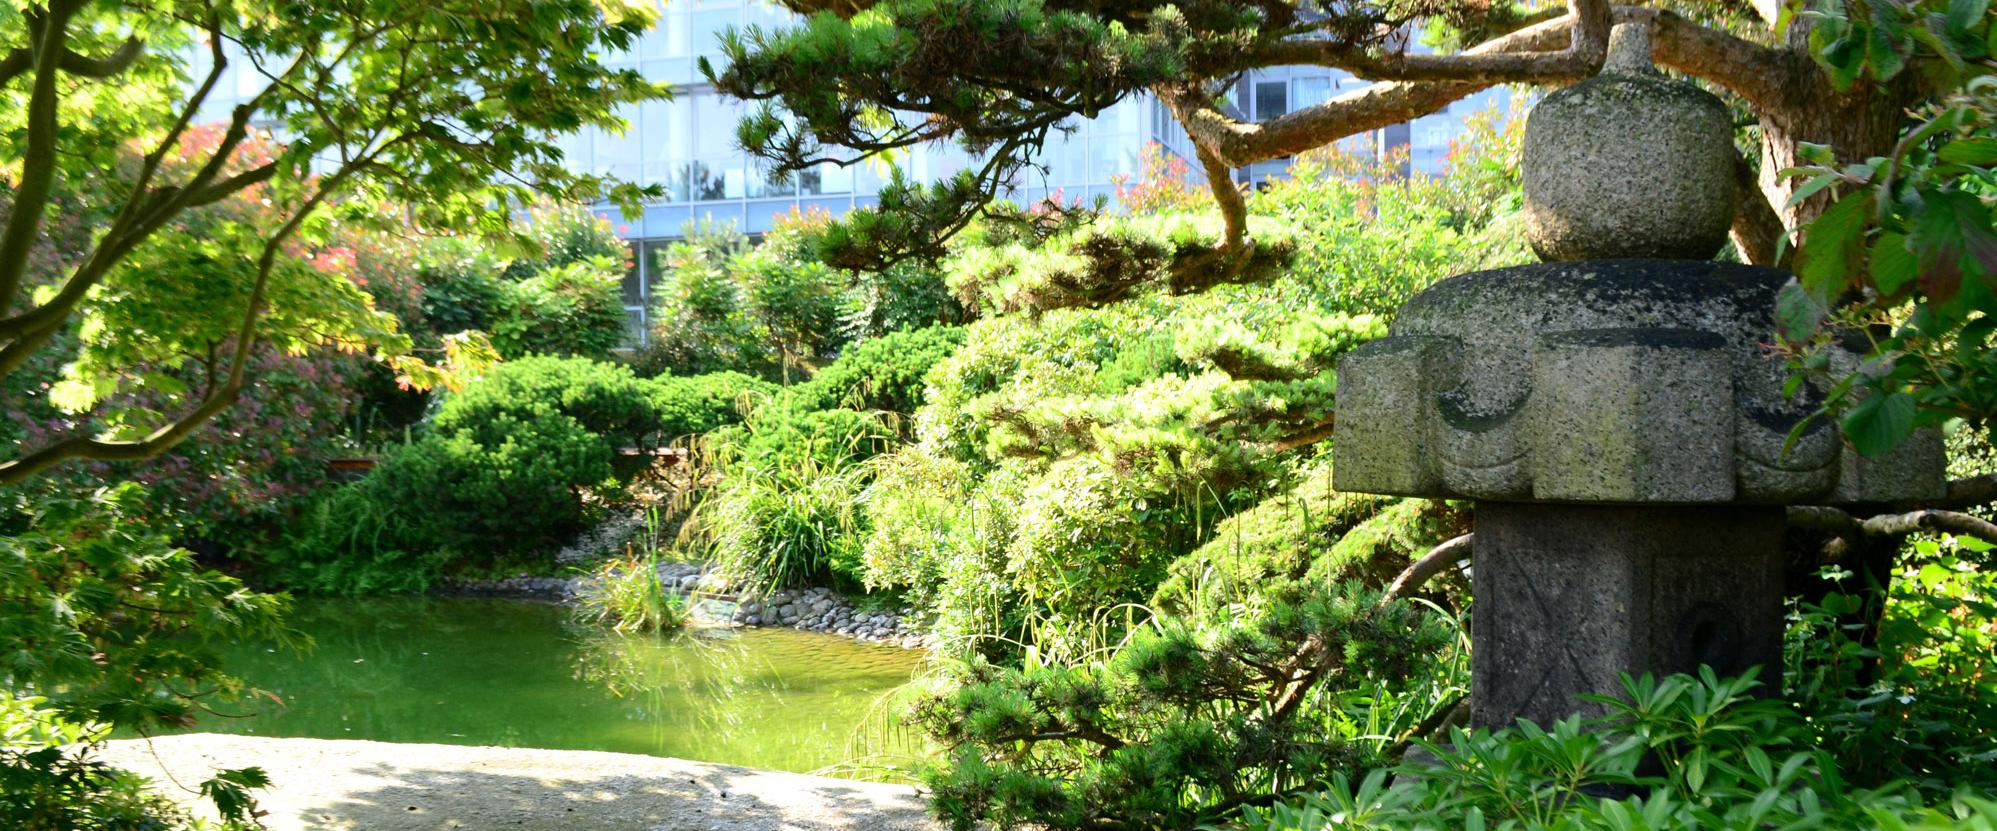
(696, 404)
(503, 471)
(885, 373)
(509, 488)
(602, 398)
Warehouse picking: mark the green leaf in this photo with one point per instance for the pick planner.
(1884, 54)
(1880, 422)
(1944, 47)
(1828, 261)
(1812, 187)
(1797, 314)
(1892, 265)
(1845, 58)
(1963, 15)
(1952, 236)
(1979, 150)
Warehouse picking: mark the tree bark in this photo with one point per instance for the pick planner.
(1855, 126)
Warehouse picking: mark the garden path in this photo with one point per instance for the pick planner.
(324, 785)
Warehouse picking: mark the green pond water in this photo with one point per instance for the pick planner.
(515, 674)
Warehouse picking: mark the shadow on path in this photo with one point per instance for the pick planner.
(373, 786)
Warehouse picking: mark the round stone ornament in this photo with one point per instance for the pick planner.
(1628, 164)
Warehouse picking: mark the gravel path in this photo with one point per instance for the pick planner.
(324, 785)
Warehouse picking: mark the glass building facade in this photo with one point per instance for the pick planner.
(688, 144)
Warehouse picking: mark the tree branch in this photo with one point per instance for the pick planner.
(1764, 77)
(1758, 230)
(1587, 43)
(116, 62)
(1226, 195)
(1836, 521)
(1452, 551)
(47, 29)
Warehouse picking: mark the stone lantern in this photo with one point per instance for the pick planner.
(1614, 411)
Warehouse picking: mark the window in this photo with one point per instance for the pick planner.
(621, 155)
(1272, 98)
(634, 281)
(1311, 92)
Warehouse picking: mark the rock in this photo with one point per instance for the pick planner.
(753, 620)
(1628, 164)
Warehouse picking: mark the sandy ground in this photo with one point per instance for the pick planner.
(321, 785)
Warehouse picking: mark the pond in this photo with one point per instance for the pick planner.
(516, 674)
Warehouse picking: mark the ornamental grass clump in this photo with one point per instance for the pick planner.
(631, 597)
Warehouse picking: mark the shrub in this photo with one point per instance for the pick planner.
(798, 307)
(1681, 753)
(1917, 700)
(570, 309)
(1179, 726)
(601, 398)
(502, 472)
(883, 373)
(561, 234)
(697, 404)
(1311, 533)
(906, 295)
(700, 312)
(463, 286)
(508, 488)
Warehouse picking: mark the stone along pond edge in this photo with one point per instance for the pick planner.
(816, 609)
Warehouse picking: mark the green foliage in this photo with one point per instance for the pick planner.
(785, 513)
(1917, 700)
(209, 238)
(693, 405)
(462, 286)
(775, 310)
(630, 597)
(49, 782)
(700, 312)
(1682, 753)
(507, 468)
(1908, 249)
(101, 615)
(599, 397)
(884, 373)
(902, 296)
(1311, 533)
(798, 306)
(572, 309)
(502, 472)
(1068, 458)
(1179, 726)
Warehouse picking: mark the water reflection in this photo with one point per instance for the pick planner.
(492, 672)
